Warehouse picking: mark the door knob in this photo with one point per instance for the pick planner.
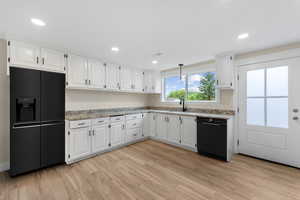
(295, 118)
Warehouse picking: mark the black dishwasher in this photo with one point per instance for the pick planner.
(212, 137)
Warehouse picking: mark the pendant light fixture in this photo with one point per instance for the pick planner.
(180, 71)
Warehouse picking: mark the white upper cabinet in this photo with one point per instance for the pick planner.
(126, 78)
(77, 71)
(156, 78)
(23, 54)
(52, 60)
(96, 74)
(148, 82)
(113, 76)
(189, 131)
(138, 77)
(225, 71)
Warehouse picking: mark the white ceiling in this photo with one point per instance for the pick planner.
(186, 31)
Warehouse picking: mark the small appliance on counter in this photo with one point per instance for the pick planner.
(37, 119)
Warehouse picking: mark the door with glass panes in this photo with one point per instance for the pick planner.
(269, 103)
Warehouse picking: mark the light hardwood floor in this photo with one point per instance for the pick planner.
(152, 170)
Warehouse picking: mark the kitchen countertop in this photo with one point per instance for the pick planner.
(93, 114)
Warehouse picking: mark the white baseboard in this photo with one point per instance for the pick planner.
(4, 166)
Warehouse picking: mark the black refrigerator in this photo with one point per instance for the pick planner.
(37, 120)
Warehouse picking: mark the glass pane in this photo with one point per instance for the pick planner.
(201, 87)
(174, 88)
(277, 81)
(256, 112)
(255, 83)
(277, 112)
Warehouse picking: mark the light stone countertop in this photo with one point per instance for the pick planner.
(93, 114)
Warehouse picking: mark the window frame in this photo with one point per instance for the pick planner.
(187, 73)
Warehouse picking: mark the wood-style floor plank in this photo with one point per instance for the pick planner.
(151, 170)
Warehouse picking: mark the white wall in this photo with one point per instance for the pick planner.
(4, 110)
(85, 100)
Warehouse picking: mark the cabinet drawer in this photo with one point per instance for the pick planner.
(133, 134)
(138, 123)
(117, 119)
(134, 116)
(80, 123)
(100, 121)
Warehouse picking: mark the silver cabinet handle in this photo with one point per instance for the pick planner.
(295, 118)
(89, 82)
(81, 124)
(90, 133)
(295, 110)
(93, 132)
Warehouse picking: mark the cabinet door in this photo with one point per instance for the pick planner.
(146, 125)
(161, 126)
(148, 82)
(117, 134)
(96, 74)
(126, 79)
(138, 77)
(52, 60)
(25, 55)
(80, 143)
(113, 77)
(189, 132)
(152, 124)
(77, 71)
(156, 82)
(173, 128)
(100, 139)
(225, 71)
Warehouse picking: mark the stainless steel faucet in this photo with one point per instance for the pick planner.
(182, 102)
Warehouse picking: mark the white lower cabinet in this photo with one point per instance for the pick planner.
(161, 127)
(117, 134)
(79, 143)
(188, 131)
(86, 138)
(152, 124)
(173, 128)
(100, 140)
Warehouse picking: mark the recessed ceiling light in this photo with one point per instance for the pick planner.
(115, 49)
(38, 22)
(243, 36)
(154, 62)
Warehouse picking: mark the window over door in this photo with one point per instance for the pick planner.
(267, 97)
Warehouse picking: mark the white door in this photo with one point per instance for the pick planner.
(100, 139)
(189, 132)
(152, 124)
(117, 134)
(77, 71)
(138, 77)
(126, 79)
(269, 103)
(161, 126)
(173, 128)
(52, 60)
(80, 143)
(24, 55)
(96, 74)
(113, 76)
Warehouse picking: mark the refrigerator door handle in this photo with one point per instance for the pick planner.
(22, 127)
(53, 124)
